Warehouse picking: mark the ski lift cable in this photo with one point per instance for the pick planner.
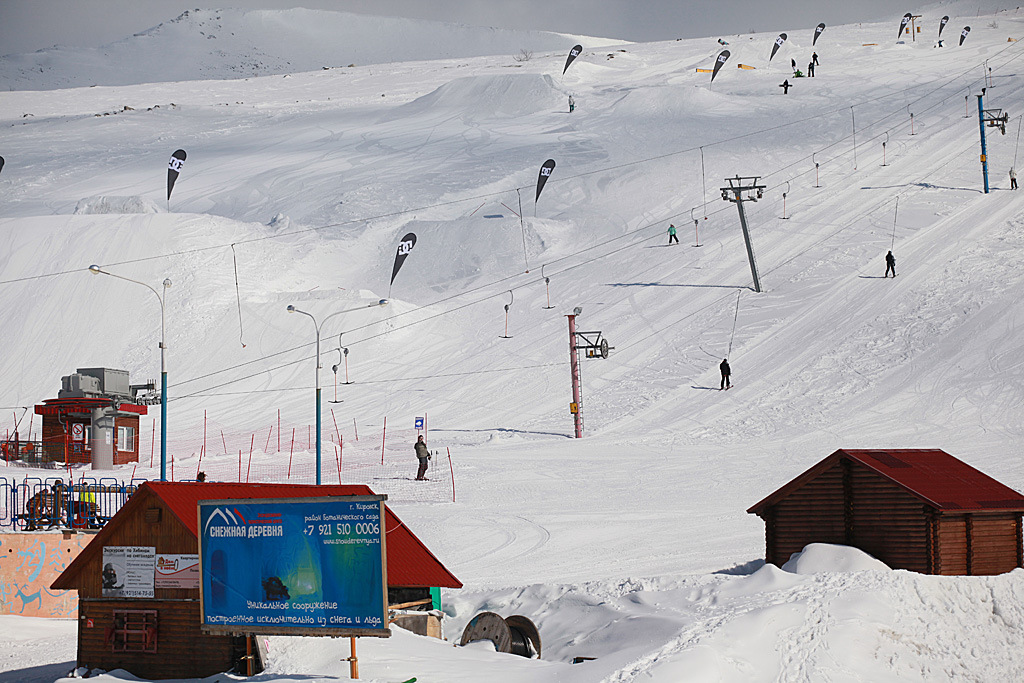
(851, 222)
(591, 260)
(842, 228)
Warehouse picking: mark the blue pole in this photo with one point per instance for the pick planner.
(163, 426)
(318, 433)
(984, 153)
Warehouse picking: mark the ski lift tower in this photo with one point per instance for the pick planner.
(735, 193)
(995, 118)
(595, 347)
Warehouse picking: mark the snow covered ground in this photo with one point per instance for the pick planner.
(631, 545)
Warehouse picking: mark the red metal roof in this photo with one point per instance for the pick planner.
(410, 563)
(58, 406)
(936, 477)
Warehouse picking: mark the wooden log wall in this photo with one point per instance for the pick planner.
(181, 651)
(888, 522)
(813, 513)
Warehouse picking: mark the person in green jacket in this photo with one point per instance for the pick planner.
(672, 234)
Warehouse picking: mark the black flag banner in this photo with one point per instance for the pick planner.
(722, 57)
(573, 54)
(778, 43)
(1, 163)
(173, 169)
(903, 23)
(404, 247)
(817, 32)
(545, 172)
(963, 34)
(942, 24)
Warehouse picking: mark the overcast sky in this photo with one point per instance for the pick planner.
(28, 25)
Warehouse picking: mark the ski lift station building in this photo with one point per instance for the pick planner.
(916, 509)
(160, 636)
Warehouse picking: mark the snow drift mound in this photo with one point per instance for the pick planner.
(103, 204)
(817, 558)
(504, 96)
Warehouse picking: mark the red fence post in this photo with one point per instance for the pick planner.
(249, 466)
(452, 469)
(290, 454)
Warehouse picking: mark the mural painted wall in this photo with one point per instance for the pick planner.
(29, 563)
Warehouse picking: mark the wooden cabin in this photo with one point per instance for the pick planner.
(160, 637)
(916, 509)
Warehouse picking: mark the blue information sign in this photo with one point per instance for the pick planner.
(418, 424)
(303, 566)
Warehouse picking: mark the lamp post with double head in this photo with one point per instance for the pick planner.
(319, 327)
(96, 270)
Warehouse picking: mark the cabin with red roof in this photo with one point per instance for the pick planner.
(916, 509)
(160, 637)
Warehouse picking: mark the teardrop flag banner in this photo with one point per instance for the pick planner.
(817, 32)
(723, 56)
(545, 172)
(903, 23)
(173, 169)
(404, 247)
(963, 34)
(942, 24)
(1, 163)
(778, 43)
(573, 54)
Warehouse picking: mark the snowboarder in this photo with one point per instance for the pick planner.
(726, 373)
(572, 104)
(890, 265)
(785, 86)
(810, 69)
(423, 455)
(1013, 179)
(814, 58)
(672, 234)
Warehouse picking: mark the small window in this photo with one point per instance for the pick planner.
(134, 630)
(126, 438)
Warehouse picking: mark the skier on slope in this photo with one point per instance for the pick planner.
(1013, 178)
(890, 264)
(572, 104)
(672, 234)
(726, 373)
(814, 58)
(810, 69)
(423, 455)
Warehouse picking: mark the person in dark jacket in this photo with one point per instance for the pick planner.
(814, 59)
(726, 373)
(423, 455)
(810, 69)
(890, 265)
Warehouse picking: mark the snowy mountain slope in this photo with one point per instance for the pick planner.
(300, 187)
(234, 43)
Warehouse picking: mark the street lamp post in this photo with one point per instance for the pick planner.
(319, 327)
(96, 270)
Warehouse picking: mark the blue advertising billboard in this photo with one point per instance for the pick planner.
(301, 566)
